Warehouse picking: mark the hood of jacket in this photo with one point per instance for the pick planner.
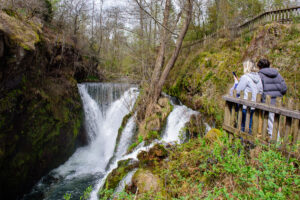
(270, 72)
(254, 76)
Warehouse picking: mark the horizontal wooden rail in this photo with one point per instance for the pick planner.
(264, 122)
(262, 106)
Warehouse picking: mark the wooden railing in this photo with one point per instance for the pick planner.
(282, 15)
(286, 127)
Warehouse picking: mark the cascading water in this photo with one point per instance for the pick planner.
(105, 105)
(176, 121)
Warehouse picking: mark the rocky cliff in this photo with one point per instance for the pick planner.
(40, 108)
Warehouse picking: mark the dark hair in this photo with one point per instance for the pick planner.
(263, 63)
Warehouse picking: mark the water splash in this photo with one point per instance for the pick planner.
(175, 122)
(105, 105)
(94, 158)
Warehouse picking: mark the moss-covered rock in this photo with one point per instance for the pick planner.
(26, 34)
(213, 136)
(156, 154)
(147, 184)
(151, 127)
(114, 178)
(195, 127)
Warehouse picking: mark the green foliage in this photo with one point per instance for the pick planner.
(140, 139)
(208, 76)
(152, 135)
(92, 78)
(86, 193)
(106, 194)
(67, 196)
(132, 146)
(114, 178)
(225, 170)
(135, 144)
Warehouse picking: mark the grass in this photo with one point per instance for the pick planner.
(226, 170)
(223, 169)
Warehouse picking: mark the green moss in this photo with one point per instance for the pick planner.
(119, 173)
(152, 135)
(23, 33)
(132, 146)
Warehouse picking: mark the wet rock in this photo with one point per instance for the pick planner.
(40, 107)
(156, 154)
(155, 120)
(195, 126)
(124, 166)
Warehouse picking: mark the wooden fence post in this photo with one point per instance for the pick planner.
(295, 126)
(276, 121)
(248, 114)
(255, 122)
(266, 117)
(288, 133)
(240, 114)
(227, 113)
(233, 111)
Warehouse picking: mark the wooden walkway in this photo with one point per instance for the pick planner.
(286, 127)
(281, 15)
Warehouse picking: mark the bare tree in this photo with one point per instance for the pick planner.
(159, 76)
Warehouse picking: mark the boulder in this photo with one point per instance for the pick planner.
(144, 181)
(195, 126)
(155, 120)
(156, 154)
(124, 166)
(163, 102)
(213, 136)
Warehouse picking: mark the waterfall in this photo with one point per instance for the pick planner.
(105, 105)
(104, 129)
(126, 138)
(175, 122)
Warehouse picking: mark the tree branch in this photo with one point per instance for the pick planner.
(162, 25)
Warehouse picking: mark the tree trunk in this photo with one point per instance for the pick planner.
(161, 53)
(175, 54)
(159, 79)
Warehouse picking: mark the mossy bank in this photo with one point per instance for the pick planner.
(40, 108)
(203, 73)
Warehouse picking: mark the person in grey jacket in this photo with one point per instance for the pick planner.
(273, 85)
(249, 82)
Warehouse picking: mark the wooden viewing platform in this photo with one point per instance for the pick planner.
(286, 121)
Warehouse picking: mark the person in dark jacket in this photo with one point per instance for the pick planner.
(273, 85)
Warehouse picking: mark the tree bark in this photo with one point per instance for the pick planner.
(161, 53)
(159, 80)
(175, 54)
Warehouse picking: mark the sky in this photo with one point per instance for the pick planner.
(110, 3)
